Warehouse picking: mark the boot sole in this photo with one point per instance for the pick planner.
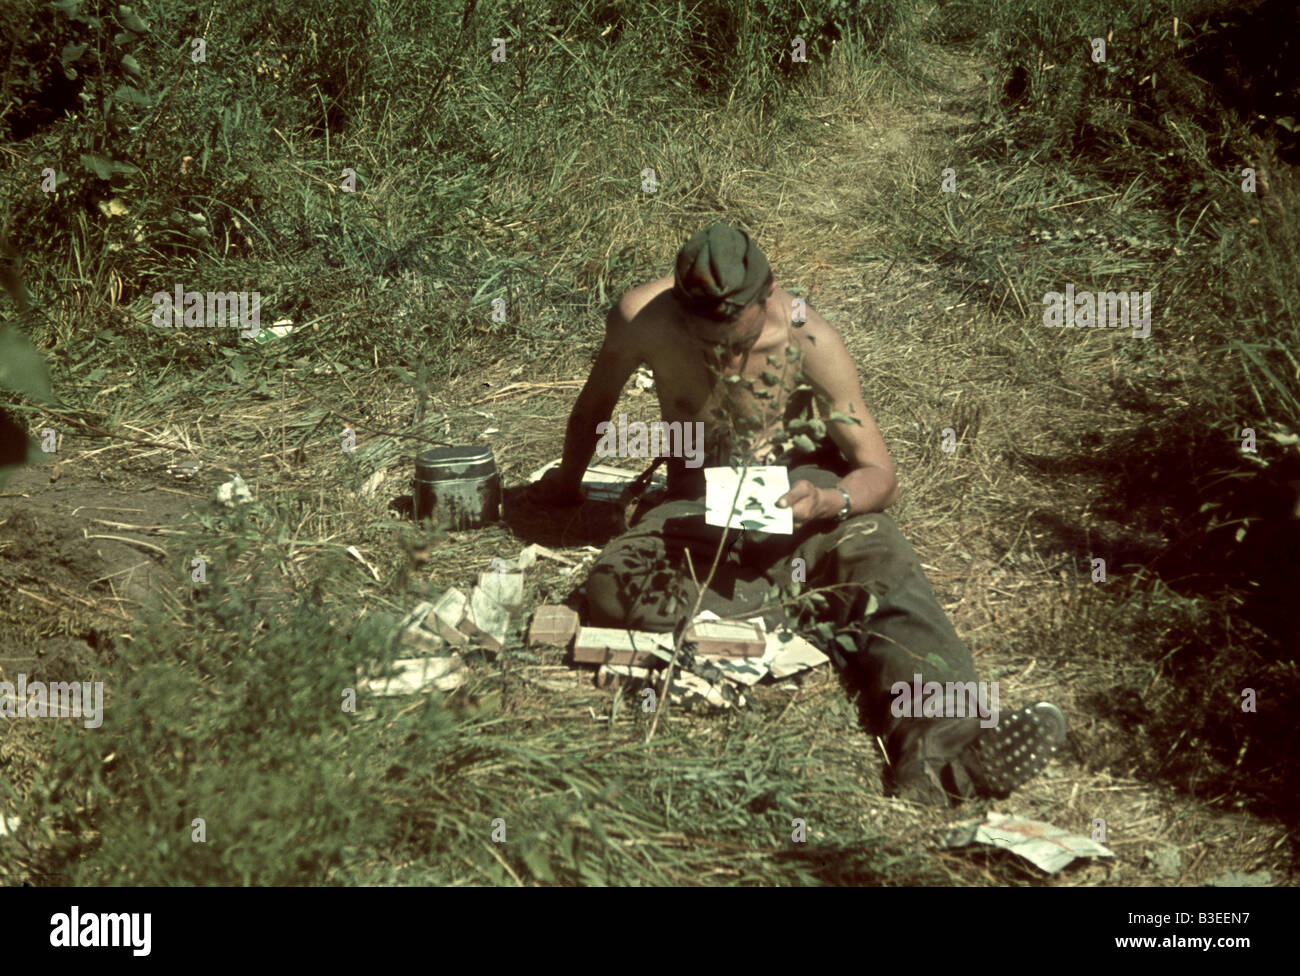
(1017, 749)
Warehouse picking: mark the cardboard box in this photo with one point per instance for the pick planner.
(611, 676)
(447, 615)
(421, 639)
(727, 638)
(611, 645)
(554, 625)
(487, 621)
(507, 589)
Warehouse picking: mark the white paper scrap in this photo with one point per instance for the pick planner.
(793, 655)
(755, 507)
(417, 674)
(1048, 847)
(688, 687)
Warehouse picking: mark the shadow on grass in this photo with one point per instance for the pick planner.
(1214, 614)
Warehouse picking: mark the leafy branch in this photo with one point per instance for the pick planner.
(743, 430)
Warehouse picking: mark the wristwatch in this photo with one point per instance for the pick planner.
(848, 503)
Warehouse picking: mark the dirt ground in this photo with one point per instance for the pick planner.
(82, 547)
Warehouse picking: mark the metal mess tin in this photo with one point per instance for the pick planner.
(457, 486)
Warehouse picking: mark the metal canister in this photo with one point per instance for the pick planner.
(458, 487)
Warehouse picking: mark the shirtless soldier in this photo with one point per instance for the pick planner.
(721, 314)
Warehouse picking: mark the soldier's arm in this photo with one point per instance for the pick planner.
(831, 372)
(620, 355)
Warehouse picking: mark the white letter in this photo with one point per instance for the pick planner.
(145, 928)
(1053, 316)
(162, 314)
(59, 937)
(97, 715)
(251, 319)
(989, 704)
(694, 457)
(901, 706)
(607, 446)
(1146, 316)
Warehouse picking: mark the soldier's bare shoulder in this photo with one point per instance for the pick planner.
(641, 299)
(816, 334)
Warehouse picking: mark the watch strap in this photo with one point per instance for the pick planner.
(848, 503)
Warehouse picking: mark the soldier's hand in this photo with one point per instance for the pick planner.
(806, 502)
(553, 489)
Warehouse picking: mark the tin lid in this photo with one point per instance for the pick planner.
(445, 463)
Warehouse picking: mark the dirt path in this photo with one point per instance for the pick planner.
(916, 340)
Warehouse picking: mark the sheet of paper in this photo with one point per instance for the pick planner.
(416, 674)
(1042, 844)
(755, 506)
(791, 656)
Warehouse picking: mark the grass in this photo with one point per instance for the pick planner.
(523, 180)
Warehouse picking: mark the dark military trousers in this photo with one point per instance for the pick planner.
(642, 580)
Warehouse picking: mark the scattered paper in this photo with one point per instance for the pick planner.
(755, 507)
(742, 670)
(793, 655)
(277, 331)
(447, 614)
(355, 554)
(506, 589)
(487, 620)
(626, 653)
(779, 658)
(531, 554)
(690, 689)
(1049, 848)
(416, 616)
(414, 675)
(686, 689)
(417, 632)
(420, 639)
